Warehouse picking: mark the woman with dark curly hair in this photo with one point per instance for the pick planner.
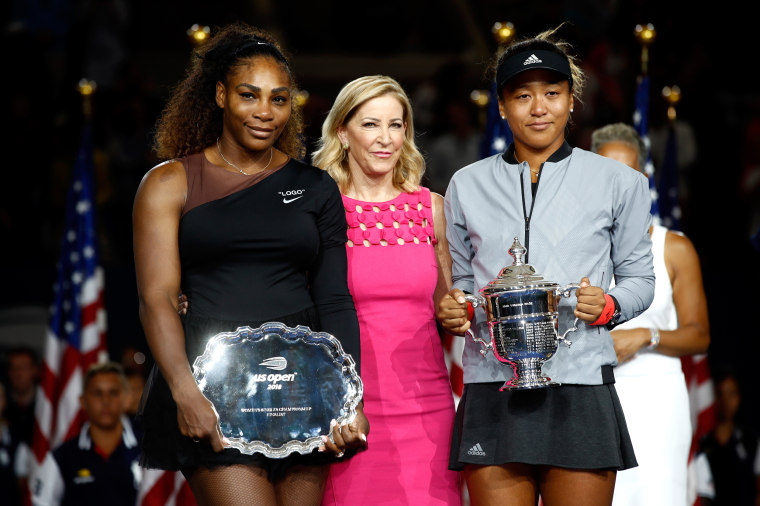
(251, 235)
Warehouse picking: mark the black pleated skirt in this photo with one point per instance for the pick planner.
(569, 426)
(164, 447)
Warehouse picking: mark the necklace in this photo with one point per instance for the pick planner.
(271, 154)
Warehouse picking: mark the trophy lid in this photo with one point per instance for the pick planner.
(519, 275)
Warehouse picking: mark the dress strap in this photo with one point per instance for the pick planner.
(658, 241)
(207, 182)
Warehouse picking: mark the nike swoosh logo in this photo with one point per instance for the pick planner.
(288, 201)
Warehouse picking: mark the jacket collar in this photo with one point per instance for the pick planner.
(563, 152)
(127, 435)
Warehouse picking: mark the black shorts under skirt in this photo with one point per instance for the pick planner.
(569, 426)
(164, 447)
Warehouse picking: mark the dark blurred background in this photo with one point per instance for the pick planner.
(438, 49)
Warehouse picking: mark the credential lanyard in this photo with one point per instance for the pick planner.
(527, 216)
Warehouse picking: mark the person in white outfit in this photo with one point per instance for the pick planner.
(648, 378)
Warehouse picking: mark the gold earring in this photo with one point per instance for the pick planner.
(345, 146)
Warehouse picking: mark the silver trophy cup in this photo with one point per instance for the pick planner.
(522, 320)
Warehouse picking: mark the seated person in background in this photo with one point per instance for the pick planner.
(8, 482)
(100, 465)
(23, 375)
(135, 386)
(732, 448)
(648, 378)
(22, 388)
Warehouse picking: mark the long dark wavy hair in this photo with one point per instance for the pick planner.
(191, 120)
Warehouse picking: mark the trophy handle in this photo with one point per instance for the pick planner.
(565, 291)
(478, 300)
(475, 300)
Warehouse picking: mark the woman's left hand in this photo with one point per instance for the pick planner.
(591, 301)
(348, 436)
(628, 342)
(182, 304)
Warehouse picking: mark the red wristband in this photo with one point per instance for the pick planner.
(607, 312)
(470, 311)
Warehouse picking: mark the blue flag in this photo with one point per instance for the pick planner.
(667, 187)
(497, 135)
(641, 124)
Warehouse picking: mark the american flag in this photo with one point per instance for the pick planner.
(641, 124)
(164, 488)
(665, 211)
(453, 346)
(699, 383)
(76, 333)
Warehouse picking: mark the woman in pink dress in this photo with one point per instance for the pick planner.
(398, 268)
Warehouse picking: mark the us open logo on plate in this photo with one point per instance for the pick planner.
(275, 363)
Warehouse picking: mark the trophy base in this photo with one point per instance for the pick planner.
(527, 375)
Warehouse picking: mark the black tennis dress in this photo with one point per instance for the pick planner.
(253, 249)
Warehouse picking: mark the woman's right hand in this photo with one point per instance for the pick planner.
(197, 418)
(452, 312)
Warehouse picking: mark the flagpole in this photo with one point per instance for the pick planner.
(496, 135)
(667, 188)
(672, 95)
(503, 32)
(645, 35)
(86, 89)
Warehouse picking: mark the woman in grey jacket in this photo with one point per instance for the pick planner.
(582, 218)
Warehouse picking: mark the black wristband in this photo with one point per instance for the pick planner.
(614, 321)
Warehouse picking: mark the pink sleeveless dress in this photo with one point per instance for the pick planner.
(392, 274)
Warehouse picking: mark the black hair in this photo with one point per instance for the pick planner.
(24, 350)
(544, 41)
(191, 119)
(234, 50)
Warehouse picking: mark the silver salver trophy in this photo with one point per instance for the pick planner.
(522, 320)
(277, 388)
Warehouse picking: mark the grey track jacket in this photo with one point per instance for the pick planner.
(590, 218)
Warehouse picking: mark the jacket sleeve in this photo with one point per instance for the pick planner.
(460, 245)
(632, 248)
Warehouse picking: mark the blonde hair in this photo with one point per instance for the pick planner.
(331, 156)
